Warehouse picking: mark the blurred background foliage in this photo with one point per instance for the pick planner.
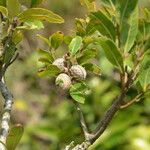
(49, 117)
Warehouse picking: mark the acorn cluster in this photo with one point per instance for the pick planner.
(68, 74)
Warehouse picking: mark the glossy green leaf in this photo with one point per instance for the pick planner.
(44, 39)
(133, 30)
(14, 137)
(50, 71)
(13, 7)
(35, 3)
(40, 14)
(56, 39)
(75, 45)
(112, 53)
(78, 92)
(45, 54)
(100, 22)
(92, 68)
(144, 74)
(4, 10)
(86, 55)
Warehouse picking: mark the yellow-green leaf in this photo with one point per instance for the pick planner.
(13, 7)
(86, 55)
(40, 14)
(50, 71)
(56, 39)
(89, 4)
(14, 137)
(4, 10)
(75, 45)
(44, 39)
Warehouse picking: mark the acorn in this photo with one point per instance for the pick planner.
(64, 81)
(78, 72)
(60, 63)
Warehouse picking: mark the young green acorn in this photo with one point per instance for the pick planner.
(78, 72)
(63, 80)
(60, 63)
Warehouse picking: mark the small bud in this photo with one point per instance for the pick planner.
(60, 63)
(63, 80)
(78, 72)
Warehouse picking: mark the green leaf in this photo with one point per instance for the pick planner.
(126, 8)
(50, 71)
(92, 68)
(56, 39)
(45, 55)
(86, 55)
(67, 39)
(112, 53)
(78, 92)
(133, 30)
(10, 49)
(44, 39)
(13, 7)
(17, 37)
(14, 137)
(2, 2)
(144, 74)
(75, 45)
(80, 27)
(144, 29)
(4, 11)
(100, 22)
(40, 14)
(146, 12)
(32, 24)
(35, 3)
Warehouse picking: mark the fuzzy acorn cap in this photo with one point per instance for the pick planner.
(60, 63)
(63, 80)
(78, 72)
